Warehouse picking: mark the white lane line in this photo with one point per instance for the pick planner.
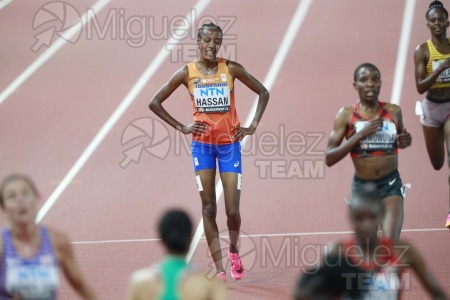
(116, 241)
(277, 63)
(402, 54)
(330, 233)
(256, 236)
(117, 114)
(98, 6)
(4, 3)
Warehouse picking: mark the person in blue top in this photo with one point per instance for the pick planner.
(173, 278)
(31, 255)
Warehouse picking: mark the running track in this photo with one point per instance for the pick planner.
(110, 212)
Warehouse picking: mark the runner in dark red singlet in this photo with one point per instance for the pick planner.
(374, 131)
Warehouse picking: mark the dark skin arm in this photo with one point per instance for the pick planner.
(336, 150)
(413, 258)
(421, 57)
(403, 136)
(237, 71)
(180, 77)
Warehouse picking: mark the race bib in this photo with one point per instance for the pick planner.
(384, 139)
(212, 99)
(32, 281)
(445, 75)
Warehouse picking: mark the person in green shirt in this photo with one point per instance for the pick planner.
(173, 278)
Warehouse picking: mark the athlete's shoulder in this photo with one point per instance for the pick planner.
(422, 46)
(235, 69)
(345, 112)
(181, 76)
(195, 274)
(232, 65)
(231, 62)
(59, 240)
(143, 276)
(392, 108)
(422, 50)
(200, 285)
(143, 284)
(183, 71)
(347, 109)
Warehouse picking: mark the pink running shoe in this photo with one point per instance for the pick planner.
(222, 276)
(237, 269)
(447, 224)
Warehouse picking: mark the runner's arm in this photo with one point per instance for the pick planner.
(180, 77)
(424, 83)
(417, 263)
(403, 136)
(336, 151)
(239, 72)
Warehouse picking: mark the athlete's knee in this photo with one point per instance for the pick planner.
(210, 211)
(233, 213)
(393, 206)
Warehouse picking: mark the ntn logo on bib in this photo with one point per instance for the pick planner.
(212, 99)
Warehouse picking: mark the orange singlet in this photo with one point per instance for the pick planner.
(213, 103)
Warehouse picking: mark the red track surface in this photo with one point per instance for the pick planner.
(52, 117)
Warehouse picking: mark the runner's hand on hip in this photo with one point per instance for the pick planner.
(241, 132)
(194, 128)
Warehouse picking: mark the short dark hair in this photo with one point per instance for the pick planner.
(175, 231)
(364, 65)
(204, 26)
(436, 4)
(14, 177)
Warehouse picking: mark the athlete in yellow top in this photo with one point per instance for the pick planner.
(216, 133)
(432, 62)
